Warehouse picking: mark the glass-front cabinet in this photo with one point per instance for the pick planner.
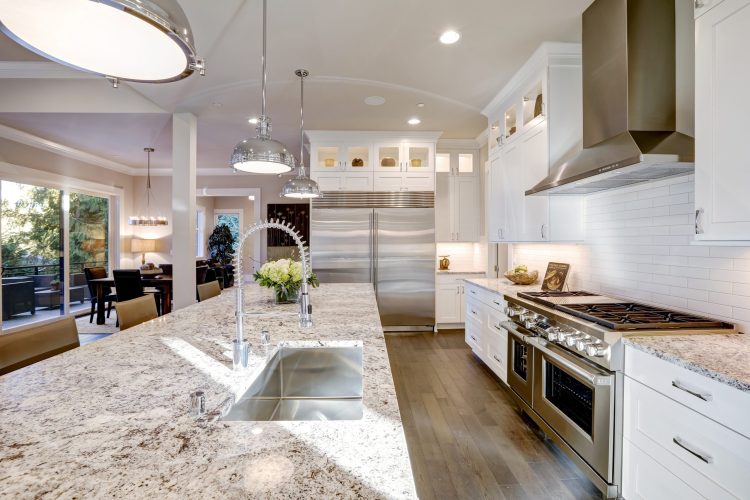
(389, 157)
(340, 157)
(405, 157)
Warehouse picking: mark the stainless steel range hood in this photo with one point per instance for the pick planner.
(629, 100)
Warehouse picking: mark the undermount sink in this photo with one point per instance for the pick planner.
(305, 383)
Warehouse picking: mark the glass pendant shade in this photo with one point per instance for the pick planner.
(137, 40)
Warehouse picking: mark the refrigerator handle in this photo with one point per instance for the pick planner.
(372, 247)
(375, 251)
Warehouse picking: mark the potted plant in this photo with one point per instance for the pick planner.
(54, 285)
(285, 277)
(221, 245)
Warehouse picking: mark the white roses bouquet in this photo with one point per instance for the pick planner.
(285, 277)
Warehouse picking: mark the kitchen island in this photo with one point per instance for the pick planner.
(110, 419)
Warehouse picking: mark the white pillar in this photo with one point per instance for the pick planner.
(184, 159)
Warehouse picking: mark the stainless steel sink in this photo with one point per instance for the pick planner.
(305, 383)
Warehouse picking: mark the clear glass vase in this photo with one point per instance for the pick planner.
(285, 296)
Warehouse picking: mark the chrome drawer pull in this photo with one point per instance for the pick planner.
(474, 292)
(498, 327)
(705, 396)
(496, 302)
(473, 338)
(693, 451)
(495, 358)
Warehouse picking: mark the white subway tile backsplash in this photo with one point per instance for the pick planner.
(638, 246)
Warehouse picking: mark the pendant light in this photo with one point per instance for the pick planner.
(301, 186)
(138, 40)
(147, 220)
(262, 155)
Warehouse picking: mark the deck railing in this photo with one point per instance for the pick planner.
(37, 269)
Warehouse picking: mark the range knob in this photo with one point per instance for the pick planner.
(582, 344)
(571, 340)
(552, 333)
(599, 350)
(514, 311)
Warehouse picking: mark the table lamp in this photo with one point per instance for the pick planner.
(142, 246)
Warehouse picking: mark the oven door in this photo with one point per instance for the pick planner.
(520, 361)
(576, 399)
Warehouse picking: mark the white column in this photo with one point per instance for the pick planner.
(184, 158)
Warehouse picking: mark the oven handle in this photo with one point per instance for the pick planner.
(518, 332)
(593, 378)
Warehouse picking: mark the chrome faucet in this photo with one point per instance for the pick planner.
(240, 346)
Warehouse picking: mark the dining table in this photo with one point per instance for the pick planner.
(162, 282)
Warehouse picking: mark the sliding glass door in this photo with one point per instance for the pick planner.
(48, 237)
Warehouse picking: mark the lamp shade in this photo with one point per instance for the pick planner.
(138, 40)
(142, 246)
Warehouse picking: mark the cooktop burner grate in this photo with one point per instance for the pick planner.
(633, 316)
(572, 293)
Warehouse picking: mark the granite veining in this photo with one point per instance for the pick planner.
(725, 358)
(110, 419)
(503, 286)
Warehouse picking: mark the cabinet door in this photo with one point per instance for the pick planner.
(535, 167)
(700, 7)
(513, 191)
(419, 157)
(722, 151)
(389, 157)
(496, 203)
(328, 181)
(465, 203)
(643, 478)
(423, 181)
(352, 181)
(443, 208)
(327, 157)
(389, 181)
(448, 303)
(357, 158)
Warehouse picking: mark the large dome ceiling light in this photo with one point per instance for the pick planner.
(301, 186)
(146, 41)
(147, 220)
(262, 155)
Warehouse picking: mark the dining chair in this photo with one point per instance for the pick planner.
(37, 342)
(200, 274)
(166, 269)
(136, 311)
(208, 290)
(93, 273)
(128, 286)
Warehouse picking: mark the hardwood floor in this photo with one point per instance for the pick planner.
(466, 436)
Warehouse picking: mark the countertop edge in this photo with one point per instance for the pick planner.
(689, 365)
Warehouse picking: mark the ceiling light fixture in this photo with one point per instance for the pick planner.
(253, 121)
(141, 41)
(420, 105)
(262, 155)
(375, 100)
(449, 37)
(301, 186)
(147, 220)
(414, 121)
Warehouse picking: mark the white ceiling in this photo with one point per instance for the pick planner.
(352, 49)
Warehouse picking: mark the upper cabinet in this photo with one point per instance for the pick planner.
(373, 161)
(535, 124)
(457, 193)
(722, 150)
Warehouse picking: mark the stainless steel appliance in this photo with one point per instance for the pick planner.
(565, 362)
(387, 239)
(634, 92)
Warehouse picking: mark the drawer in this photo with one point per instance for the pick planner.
(473, 334)
(712, 459)
(643, 478)
(496, 351)
(716, 400)
(475, 309)
(445, 279)
(491, 299)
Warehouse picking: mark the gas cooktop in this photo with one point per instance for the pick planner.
(634, 316)
(553, 299)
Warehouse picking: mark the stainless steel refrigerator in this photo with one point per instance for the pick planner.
(387, 239)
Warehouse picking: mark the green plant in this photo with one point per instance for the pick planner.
(221, 244)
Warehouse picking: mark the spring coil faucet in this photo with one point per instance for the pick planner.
(240, 346)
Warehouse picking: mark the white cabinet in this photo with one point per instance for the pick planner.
(700, 7)
(373, 161)
(484, 331)
(535, 125)
(722, 150)
(449, 299)
(457, 197)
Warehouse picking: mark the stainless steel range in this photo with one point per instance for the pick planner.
(565, 362)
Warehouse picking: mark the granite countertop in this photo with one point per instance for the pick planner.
(503, 286)
(725, 358)
(110, 419)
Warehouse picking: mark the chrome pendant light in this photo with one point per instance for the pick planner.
(136, 40)
(147, 220)
(262, 155)
(301, 186)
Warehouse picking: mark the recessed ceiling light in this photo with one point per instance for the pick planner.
(374, 100)
(420, 105)
(414, 121)
(449, 37)
(254, 121)
(216, 104)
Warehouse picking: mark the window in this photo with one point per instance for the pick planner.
(233, 219)
(200, 233)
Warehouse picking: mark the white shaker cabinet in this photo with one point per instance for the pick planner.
(457, 196)
(722, 103)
